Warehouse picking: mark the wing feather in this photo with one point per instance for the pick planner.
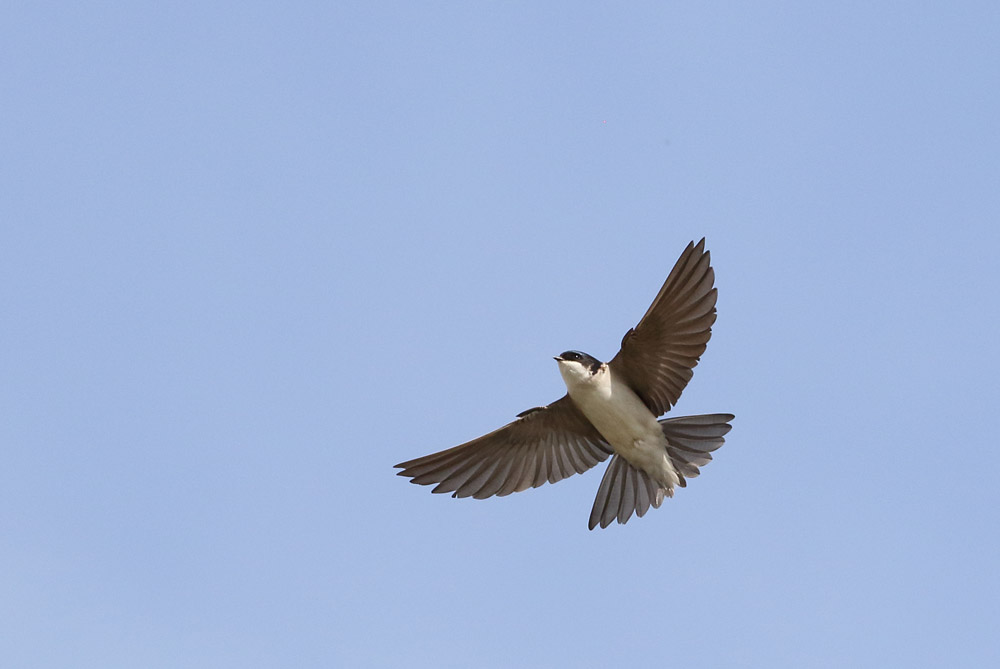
(546, 444)
(658, 355)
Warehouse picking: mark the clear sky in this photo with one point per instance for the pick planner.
(254, 254)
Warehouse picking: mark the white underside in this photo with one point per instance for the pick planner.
(622, 419)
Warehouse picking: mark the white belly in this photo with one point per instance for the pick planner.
(625, 422)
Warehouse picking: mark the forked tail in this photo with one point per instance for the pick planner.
(626, 490)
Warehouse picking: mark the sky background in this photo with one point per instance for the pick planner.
(254, 254)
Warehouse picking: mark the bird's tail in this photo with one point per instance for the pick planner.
(626, 490)
(691, 440)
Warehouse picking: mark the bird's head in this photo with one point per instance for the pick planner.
(577, 366)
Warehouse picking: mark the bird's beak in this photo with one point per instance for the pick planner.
(558, 358)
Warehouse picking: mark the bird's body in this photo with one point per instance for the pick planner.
(610, 409)
(622, 418)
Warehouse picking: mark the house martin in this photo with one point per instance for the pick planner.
(610, 409)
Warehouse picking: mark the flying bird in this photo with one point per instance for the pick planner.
(610, 409)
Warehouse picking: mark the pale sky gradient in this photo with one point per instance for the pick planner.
(254, 254)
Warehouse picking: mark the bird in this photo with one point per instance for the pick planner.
(609, 409)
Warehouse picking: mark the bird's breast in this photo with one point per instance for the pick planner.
(626, 424)
(616, 411)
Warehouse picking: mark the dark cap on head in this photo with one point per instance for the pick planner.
(583, 358)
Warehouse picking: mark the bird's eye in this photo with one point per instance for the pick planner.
(570, 355)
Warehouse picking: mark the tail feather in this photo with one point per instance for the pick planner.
(625, 490)
(691, 440)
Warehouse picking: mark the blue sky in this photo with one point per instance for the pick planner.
(254, 254)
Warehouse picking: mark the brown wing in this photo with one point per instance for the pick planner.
(658, 354)
(547, 443)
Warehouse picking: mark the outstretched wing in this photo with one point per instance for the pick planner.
(547, 443)
(658, 354)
